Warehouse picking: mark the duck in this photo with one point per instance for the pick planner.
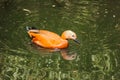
(51, 40)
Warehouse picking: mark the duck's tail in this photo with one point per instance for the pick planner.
(30, 28)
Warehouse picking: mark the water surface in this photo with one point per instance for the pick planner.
(96, 23)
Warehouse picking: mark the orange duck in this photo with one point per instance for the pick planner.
(51, 40)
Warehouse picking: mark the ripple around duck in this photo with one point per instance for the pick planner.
(96, 24)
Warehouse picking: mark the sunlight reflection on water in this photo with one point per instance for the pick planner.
(96, 24)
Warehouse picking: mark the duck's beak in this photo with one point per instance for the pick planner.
(77, 41)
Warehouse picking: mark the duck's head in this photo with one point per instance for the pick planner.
(68, 34)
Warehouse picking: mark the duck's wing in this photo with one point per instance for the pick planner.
(50, 34)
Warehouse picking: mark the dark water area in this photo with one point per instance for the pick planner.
(96, 23)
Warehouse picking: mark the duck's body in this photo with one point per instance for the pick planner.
(49, 39)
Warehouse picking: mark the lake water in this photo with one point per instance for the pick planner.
(96, 23)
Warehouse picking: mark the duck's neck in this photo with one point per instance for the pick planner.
(63, 36)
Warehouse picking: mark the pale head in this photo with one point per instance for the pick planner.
(68, 34)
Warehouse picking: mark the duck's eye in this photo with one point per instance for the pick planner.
(73, 35)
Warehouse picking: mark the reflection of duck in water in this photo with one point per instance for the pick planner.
(68, 55)
(51, 40)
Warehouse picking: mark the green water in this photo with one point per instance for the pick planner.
(96, 23)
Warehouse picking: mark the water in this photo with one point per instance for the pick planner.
(96, 23)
